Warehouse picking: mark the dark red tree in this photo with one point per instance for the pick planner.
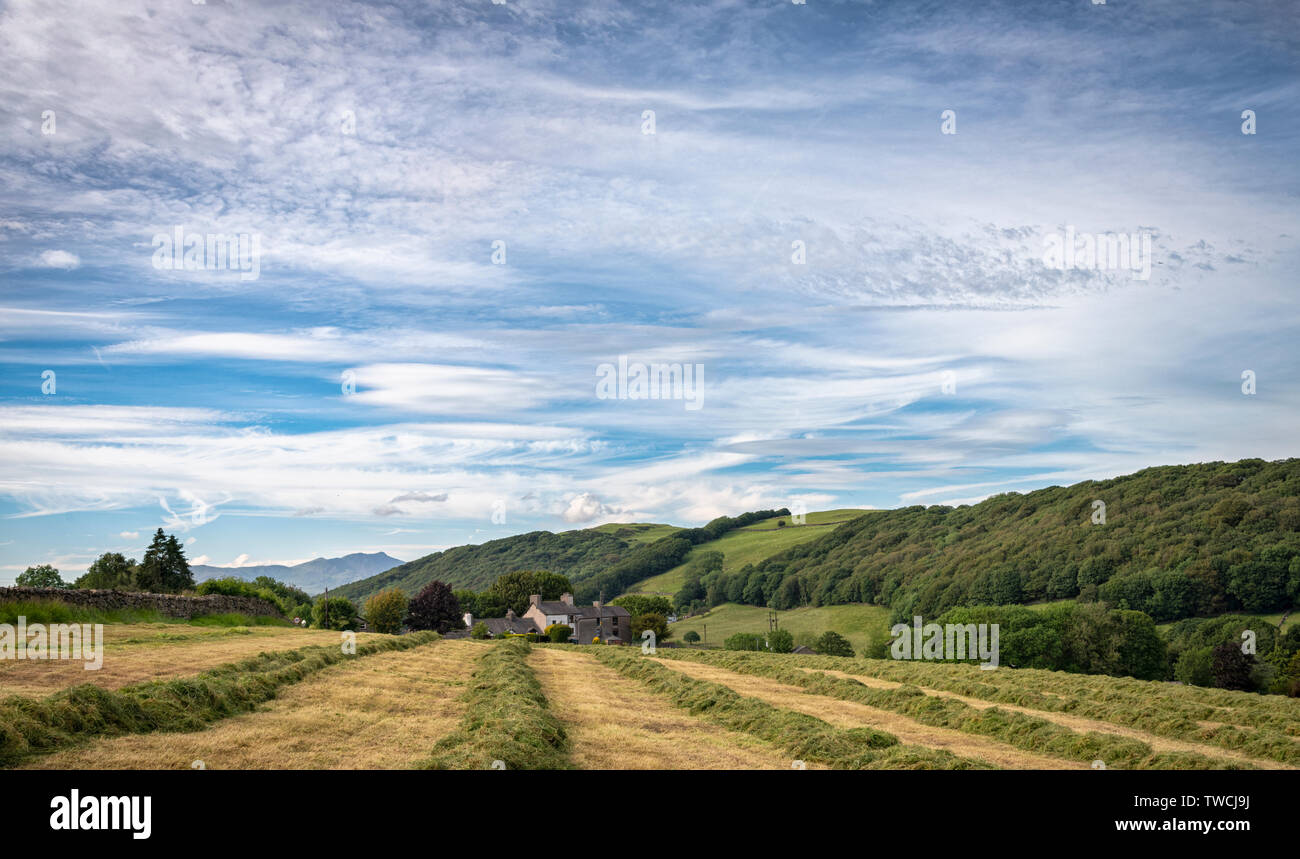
(435, 607)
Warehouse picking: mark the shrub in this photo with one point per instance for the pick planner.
(833, 644)
(1231, 667)
(780, 641)
(691, 637)
(337, 613)
(559, 632)
(385, 610)
(656, 623)
(288, 597)
(1193, 667)
(743, 641)
(480, 630)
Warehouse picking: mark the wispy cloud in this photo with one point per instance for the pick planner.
(462, 215)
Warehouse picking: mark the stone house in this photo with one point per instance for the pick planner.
(611, 623)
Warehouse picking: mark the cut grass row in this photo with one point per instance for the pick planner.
(35, 726)
(1166, 710)
(382, 712)
(507, 718)
(1020, 730)
(614, 724)
(140, 653)
(805, 737)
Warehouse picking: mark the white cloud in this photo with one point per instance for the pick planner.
(584, 508)
(59, 259)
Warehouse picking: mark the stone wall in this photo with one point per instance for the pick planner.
(171, 605)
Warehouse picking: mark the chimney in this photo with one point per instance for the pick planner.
(510, 614)
(596, 605)
(469, 620)
(535, 599)
(567, 599)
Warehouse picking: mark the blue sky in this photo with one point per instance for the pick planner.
(922, 353)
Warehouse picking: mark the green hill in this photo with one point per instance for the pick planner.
(576, 554)
(597, 560)
(1178, 541)
(749, 545)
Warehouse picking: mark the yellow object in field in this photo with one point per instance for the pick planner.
(595, 640)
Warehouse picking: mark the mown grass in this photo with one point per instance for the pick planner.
(1020, 730)
(805, 737)
(164, 638)
(228, 620)
(507, 718)
(49, 611)
(382, 712)
(1164, 709)
(857, 622)
(34, 726)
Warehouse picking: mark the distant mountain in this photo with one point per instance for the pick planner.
(311, 576)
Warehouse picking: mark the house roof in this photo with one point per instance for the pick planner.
(582, 610)
(498, 625)
(604, 611)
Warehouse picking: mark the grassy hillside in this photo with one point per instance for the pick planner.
(637, 532)
(1177, 541)
(858, 623)
(749, 546)
(576, 554)
(597, 560)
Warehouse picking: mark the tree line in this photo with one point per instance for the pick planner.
(1175, 542)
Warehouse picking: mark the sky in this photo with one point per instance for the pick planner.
(838, 215)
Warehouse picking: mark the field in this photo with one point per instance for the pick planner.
(135, 653)
(419, 701)
(856, 622)
(749, 546)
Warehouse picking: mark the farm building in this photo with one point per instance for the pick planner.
(609, 623)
